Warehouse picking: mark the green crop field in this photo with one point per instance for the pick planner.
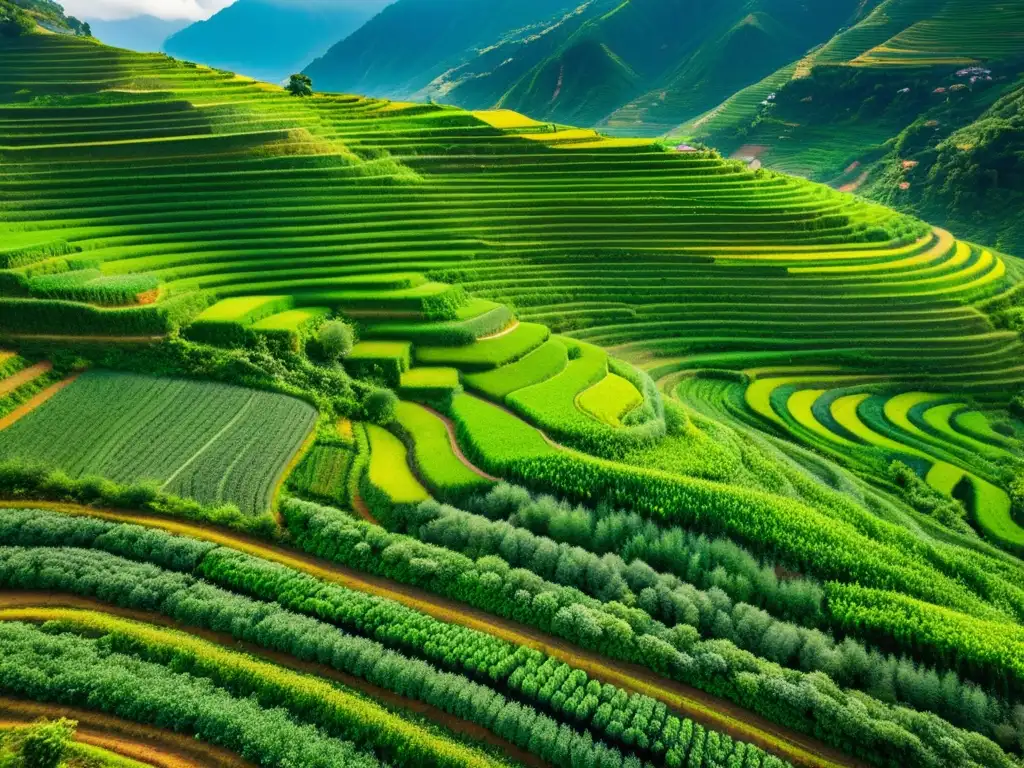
(547, 448)
(212, 442)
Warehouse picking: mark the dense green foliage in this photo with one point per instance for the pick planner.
(336, 339)
(72, 670)
(807, 702)
(268, 625)
(916, 106)
(42, 745)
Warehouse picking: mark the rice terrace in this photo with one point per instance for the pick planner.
(341, 430)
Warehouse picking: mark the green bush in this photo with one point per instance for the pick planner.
(380, 407)
(46, 744)
(78, 671)
(811, 703)
(336, 339)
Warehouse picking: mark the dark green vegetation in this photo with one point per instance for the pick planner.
(778, 421)
(21, 16)
(270, 39)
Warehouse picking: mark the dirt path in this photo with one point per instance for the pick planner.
(451, 722)
(24, 376)
(856, 184)
(153, 746)
(30, 405)
(710, 711)
(450, 426)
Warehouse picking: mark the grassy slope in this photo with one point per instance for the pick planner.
(880, 113)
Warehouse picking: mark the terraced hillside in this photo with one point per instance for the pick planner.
(915, 105)
(690, 465)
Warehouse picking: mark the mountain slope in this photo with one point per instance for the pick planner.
(270, 39)
(412, 42)
(139, 33)
(877, 110)
(580, 85)
(715, 368)
(636, 66)
(48, 14)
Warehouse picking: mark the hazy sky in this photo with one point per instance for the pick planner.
(165, 9)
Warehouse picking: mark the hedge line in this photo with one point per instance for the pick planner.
(76, 671)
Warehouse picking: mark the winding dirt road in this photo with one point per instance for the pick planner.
(24, 376)
(710, 711)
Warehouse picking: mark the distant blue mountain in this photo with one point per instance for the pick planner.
(140, 33)
(271, 39)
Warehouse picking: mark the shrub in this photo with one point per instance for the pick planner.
(336, 339)
(46, 743)
(381, 406)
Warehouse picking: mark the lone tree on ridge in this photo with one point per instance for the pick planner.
(300, 85)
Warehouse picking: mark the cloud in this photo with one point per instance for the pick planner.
(109, 10)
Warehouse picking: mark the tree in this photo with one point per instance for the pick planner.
(336, 339)
(300, 85)
(381, 406)
(46, 743)
(14, 22)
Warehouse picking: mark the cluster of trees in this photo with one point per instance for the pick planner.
(922, 497)
(712, 613)
(40, 528)
(810, 702)
(193, 602)
(700, 560)
(988, 650)
(611, 712)
(14, 22)
(825, 536)
(806, 538)
(632, 720)
(44, 744)
(75, 671)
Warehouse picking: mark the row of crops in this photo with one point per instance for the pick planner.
(697, 590)
(216, 443)
(382, 646)
(953, 446)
